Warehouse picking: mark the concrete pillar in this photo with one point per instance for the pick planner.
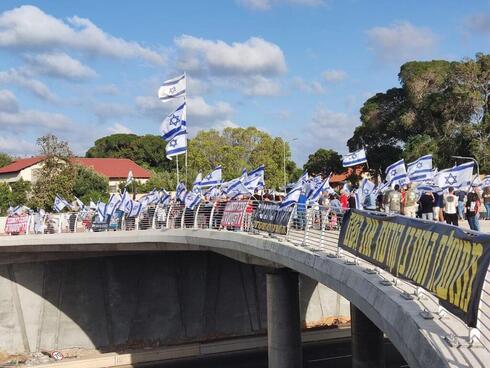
(283, 320)
(367, 341)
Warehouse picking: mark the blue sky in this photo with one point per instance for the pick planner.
(294, 68)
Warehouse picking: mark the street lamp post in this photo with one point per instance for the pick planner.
(284, 159)
(472, 159)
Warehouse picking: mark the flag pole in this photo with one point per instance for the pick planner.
(186, 148)
(178, 179)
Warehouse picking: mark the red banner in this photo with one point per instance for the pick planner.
(16, 224)
(233, 214)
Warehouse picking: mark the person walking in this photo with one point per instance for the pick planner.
(473, 210)
(450, 203)
(426, 203)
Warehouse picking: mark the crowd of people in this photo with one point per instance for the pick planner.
(451, 206)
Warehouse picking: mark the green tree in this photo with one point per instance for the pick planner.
(442, 108)
(89, 185)
(4, 198)
(324, 162)
(5, 159)
(147, 150)
(20, 192)
(57, 174)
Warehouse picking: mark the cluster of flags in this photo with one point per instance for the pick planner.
(173, 128)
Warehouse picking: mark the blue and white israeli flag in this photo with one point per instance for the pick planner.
(397, 173)
(135, 208)
(172, 88)
(236, 189)
(213, 178)
(303, 179)
(316, 191)
(212, 193)
(292, 197)
(259, 172)
(79, 203)
(149, 198)
(101, 210)
(177, 145)
(164, 197)
(180, 192)
(174, 123)
(485, 183)
(354, 158)
(458, 177)
(112, 205)
(421, 169)
(59, 203)
(192, 199)
(124, 200)
(130, 178)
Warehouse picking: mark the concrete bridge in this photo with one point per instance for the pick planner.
(34, 266)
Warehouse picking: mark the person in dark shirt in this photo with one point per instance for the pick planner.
(426, 203)
(352, 200)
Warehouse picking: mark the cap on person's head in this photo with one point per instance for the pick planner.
(450, 189)
(397, 187)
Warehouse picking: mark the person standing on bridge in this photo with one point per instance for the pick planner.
(426, 202)
(410, 204)
(394, 201)
(473, 210)
(450, 203)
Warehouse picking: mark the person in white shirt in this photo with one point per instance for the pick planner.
(451, 207)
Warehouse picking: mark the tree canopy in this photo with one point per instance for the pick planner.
(5, 159)
(324, 162)
(441, 108)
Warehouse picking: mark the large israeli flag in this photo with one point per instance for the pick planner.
(135, 208)
(292, 197)
(59, 203)
(164, 197)
(192, 199)
(101, 210)
(354, 158)
(177, 145)
(172, 88)
(236, 189)
(213, 178)
(316, 191)
(113, 204)
(124, 200)
(197, 181)
(256, 176)
(174, 123)
(180, 192)
(421, 169)
(458, 177)
(397, 173)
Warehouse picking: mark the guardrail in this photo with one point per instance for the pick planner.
(313, 227)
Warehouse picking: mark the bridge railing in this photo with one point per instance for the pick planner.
(315, 227)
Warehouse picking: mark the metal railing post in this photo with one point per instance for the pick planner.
(288, 227)
(153, 220)
(169, 211)
(196, 213)
(305, 235)
(323, 222)
(211, 215)
(182, 218)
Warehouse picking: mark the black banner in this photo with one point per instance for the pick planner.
(268, 217)
(442, 259)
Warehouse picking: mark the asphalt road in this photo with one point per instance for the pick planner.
(331, 354)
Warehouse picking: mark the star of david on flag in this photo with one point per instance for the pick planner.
(397, 174)
(174, 123)
(177, 145)
(172, 88)
(354, 158)
(213, 178)
(458, 177)
(421, 169)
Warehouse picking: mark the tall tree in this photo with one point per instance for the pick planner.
(5, 159)
(57, 174)
(324, 162)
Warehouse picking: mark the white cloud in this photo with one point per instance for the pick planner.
(109, 110)
(118, 128)
(327, 129)
(8, 102)
(314, 87)
(17, 147)
(19, 78)
(107, 89)
(255, 56)
(59, 65)
(152, 106)
(34, 118)
(478, 23)
(401, 42)
(261, 86)
(263, 5)
(28, 27)
(334, 75)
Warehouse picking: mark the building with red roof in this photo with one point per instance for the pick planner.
(114, 169)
